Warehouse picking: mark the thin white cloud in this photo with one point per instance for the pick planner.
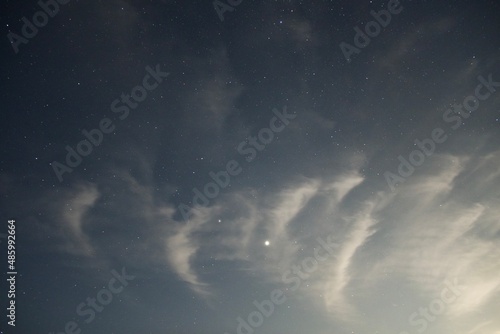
(182, 247)
(479, 326)
(214, 100)
(337, 278)
(73, 219)
(438, 225)
(241, 240)
(436, 231)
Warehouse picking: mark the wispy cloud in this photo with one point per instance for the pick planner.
(182, 247)
(213, 99)
(73, 214)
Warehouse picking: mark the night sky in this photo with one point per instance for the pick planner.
(236, 166)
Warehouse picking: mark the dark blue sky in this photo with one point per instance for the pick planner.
(173, 173)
